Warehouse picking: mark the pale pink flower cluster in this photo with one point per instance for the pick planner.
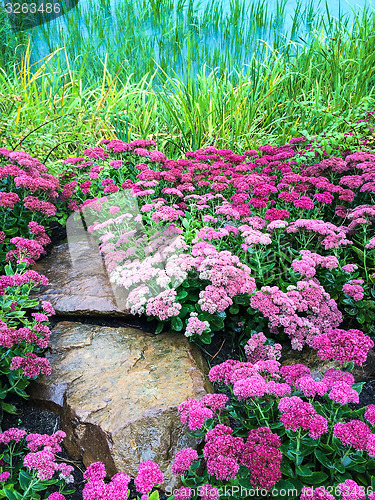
(163, 306)
(257, 349)
(310, 261)
(254, 236)
(195, 325)
(227, 275)
(354, 289)
(330, 236)
(349, 268)
(304, 311)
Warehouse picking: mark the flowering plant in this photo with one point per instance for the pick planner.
(287, 429)
(23, 334)
(149, 475)
(269, 239)
(30, 464)
(28, 197)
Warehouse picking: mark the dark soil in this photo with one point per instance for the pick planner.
(367, 396)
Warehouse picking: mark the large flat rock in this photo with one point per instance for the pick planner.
(82, 289)
(117, 391)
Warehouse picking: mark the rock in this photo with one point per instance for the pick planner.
(117, 391)
(81, 289)
(317, 366)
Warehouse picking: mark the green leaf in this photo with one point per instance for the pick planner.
(303, 470)
(197, 434)
(182, 294)
(3, 390)
(234, 309)
(154, 496)
(177, 324)
(358, 468)
(323, 459)
(358, 252)
(185, 310)
(216, 324)
(339, 467)
(205, 338)
(159, 328)
(10, 495)
(42, 487)
(286, 469)
(9, 408)
(358, 387)
(283, 485)
(361, 318)
(316, 478)
(243, 300)
(24, 479)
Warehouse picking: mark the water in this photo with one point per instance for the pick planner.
(184, 35)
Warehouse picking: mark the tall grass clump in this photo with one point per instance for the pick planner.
(227, 75)
(10, 41)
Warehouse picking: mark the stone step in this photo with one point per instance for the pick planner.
(82, 289)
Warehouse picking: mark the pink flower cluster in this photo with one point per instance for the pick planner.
(304, 311)
(330, 236)
(194, 413)
(31, 365)
(149, 475)
(28, 277)
(356, 434)
(26, 250)
(43, 449)
(228, 277)
(343, 345)
(354, 289)
(97, 489)
(195, 325)
(310, 261)
(257, 349)
(295, 414)
(183, 460)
